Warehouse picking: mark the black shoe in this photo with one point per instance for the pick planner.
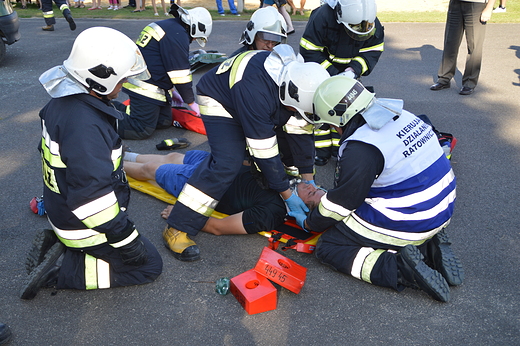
(173, 143)
(320, 161)
(413, 272)
(444, 260)
(5, 334)
(68, 17)
(128, 6)
(42, 242)
(466, 91)
(291, 32)
(440, 86)
(46, 274)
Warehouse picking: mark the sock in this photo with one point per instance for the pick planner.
(129, 156)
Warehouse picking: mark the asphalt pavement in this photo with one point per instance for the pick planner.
(181, 307)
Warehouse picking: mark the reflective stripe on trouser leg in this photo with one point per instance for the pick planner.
(97, 273)
(364, 263)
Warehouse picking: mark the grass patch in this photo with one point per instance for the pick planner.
(32, 11)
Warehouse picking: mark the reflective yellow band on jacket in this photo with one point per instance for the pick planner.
(98, 211)
(297, 126)
(263, 148)
(127, 240)
(97, 273)
(49, 177)
(145, 89)
(387, 236)
(337, 60)
(51, 149)
(151, 31)
(197, 200)
(326, 64)
(377, 48)
(116, 156)
(210, 106)
(239, 66)
(308, 45)
(363, 63)
(335, 211)
(180, 76)
(79, 238)
(320, 132)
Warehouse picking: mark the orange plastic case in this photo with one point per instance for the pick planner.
(281, 270)
(254, 292)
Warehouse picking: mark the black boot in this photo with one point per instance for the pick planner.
(444, 260)
(5, 334)
(68, 17)
(42, 242)
(413, 272)
(46, 274)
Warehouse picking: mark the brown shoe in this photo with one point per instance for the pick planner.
(48, 28)
(183, 248)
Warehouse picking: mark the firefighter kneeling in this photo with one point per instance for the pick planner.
(385, 219)
(92, 244)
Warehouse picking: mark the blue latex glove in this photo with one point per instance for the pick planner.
(300, 219)
(296, 205)
(297, 209)
(311, 182)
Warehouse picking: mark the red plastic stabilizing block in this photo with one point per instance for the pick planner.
(254, 292)
(281, 270)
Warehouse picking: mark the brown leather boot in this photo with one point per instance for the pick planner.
(48, 28)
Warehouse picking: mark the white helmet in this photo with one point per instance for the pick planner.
(299, 81)
(268, 23)
(101, 57)
(358, 16)
(197, 19)
(338, 99)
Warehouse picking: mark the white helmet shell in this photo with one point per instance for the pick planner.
(101, 57)
(299, 81)
(358, 17)
(268, 21)
(199, 22)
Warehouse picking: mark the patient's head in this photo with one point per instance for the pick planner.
(309, 193)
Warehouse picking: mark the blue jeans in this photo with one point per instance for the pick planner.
(231, 6)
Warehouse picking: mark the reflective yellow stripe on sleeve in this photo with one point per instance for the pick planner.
(328, 209)
(263, 148)
(127, 240)
(151, 31)
(197, 200)
(308, 45)
(98, 211)
(180, 76)
(79, 238)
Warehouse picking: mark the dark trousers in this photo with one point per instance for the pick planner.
(463, 17)
(142, 118)
(215, 174)
(48, 12)
(72, 273)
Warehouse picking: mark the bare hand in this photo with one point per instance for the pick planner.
(166, 212)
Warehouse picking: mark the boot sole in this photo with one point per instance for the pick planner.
(449, 265)
(429, 280)
(189, 254)
(42, 242)
(37, 278)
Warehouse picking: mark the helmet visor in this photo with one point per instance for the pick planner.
(360, 32)
(267, 36)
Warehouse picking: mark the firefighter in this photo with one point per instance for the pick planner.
(265, 30)
(247, 101)
(393, 194)
(344, 36)
(93, 243)
(48, 14)
(165, 47)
